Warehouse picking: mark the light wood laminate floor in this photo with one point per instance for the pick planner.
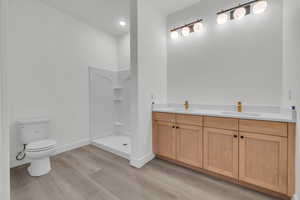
(89, 173)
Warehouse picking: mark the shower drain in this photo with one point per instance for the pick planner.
(125, 144)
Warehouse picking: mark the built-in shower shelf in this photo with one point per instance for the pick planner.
(119, 124)
(118, 88)
(118, 100)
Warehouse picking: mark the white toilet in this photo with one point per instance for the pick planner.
(34, 134)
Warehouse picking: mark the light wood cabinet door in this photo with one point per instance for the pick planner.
(263, 161)
(221, 151)
(164, 139)
(166, 117)
(189, 144)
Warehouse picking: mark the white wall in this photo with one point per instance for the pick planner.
(123, 44)
(134, 80)
(4, 136)
(241, 60)
(151, 73)
(48, 58)
(291, 69)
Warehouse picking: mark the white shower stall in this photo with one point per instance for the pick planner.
(110, 110)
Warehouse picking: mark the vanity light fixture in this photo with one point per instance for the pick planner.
(238, 12)
(186, 30)
(174, 35)
(222, 18)
(198, 27)
(260, 7)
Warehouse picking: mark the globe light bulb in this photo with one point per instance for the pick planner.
(239, 13)
(222, 18)
(198, 27)
(186, 31)
(174, 35)
(260, 7)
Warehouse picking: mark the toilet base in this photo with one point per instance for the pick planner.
(39, 167)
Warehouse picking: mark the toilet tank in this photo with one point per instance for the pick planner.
(33, 129)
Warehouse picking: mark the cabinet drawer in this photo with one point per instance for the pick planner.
(223, 123)
(189, 119)
(169, 117)
(264, 127)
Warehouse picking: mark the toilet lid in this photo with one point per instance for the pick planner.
(41, 145)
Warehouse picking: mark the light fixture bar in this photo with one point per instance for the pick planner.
(239, 6)
(248, 11)
(187, 25)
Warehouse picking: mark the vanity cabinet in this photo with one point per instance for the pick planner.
(189, 144)
(165, 139)
(263, 161)
(264, 127)
(178, 137)
(256, 154)
(221, 123)
(221, 151)
(221, 145)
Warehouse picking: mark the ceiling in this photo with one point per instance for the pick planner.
(101, 14)
(170, 6)
(106, 14)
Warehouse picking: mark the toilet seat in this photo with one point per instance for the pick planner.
(41, 145)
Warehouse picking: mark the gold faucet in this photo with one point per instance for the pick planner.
(186, 105)
(239, 106)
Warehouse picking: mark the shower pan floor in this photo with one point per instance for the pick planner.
(116, 144)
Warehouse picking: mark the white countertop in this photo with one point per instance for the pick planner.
(259, 113)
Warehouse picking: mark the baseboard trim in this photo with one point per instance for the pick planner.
(59, 150)
(295, 197)
(140, 162)
(75, 145)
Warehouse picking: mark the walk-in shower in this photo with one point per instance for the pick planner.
(110, 110)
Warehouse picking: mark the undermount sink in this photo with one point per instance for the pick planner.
(241, 114)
